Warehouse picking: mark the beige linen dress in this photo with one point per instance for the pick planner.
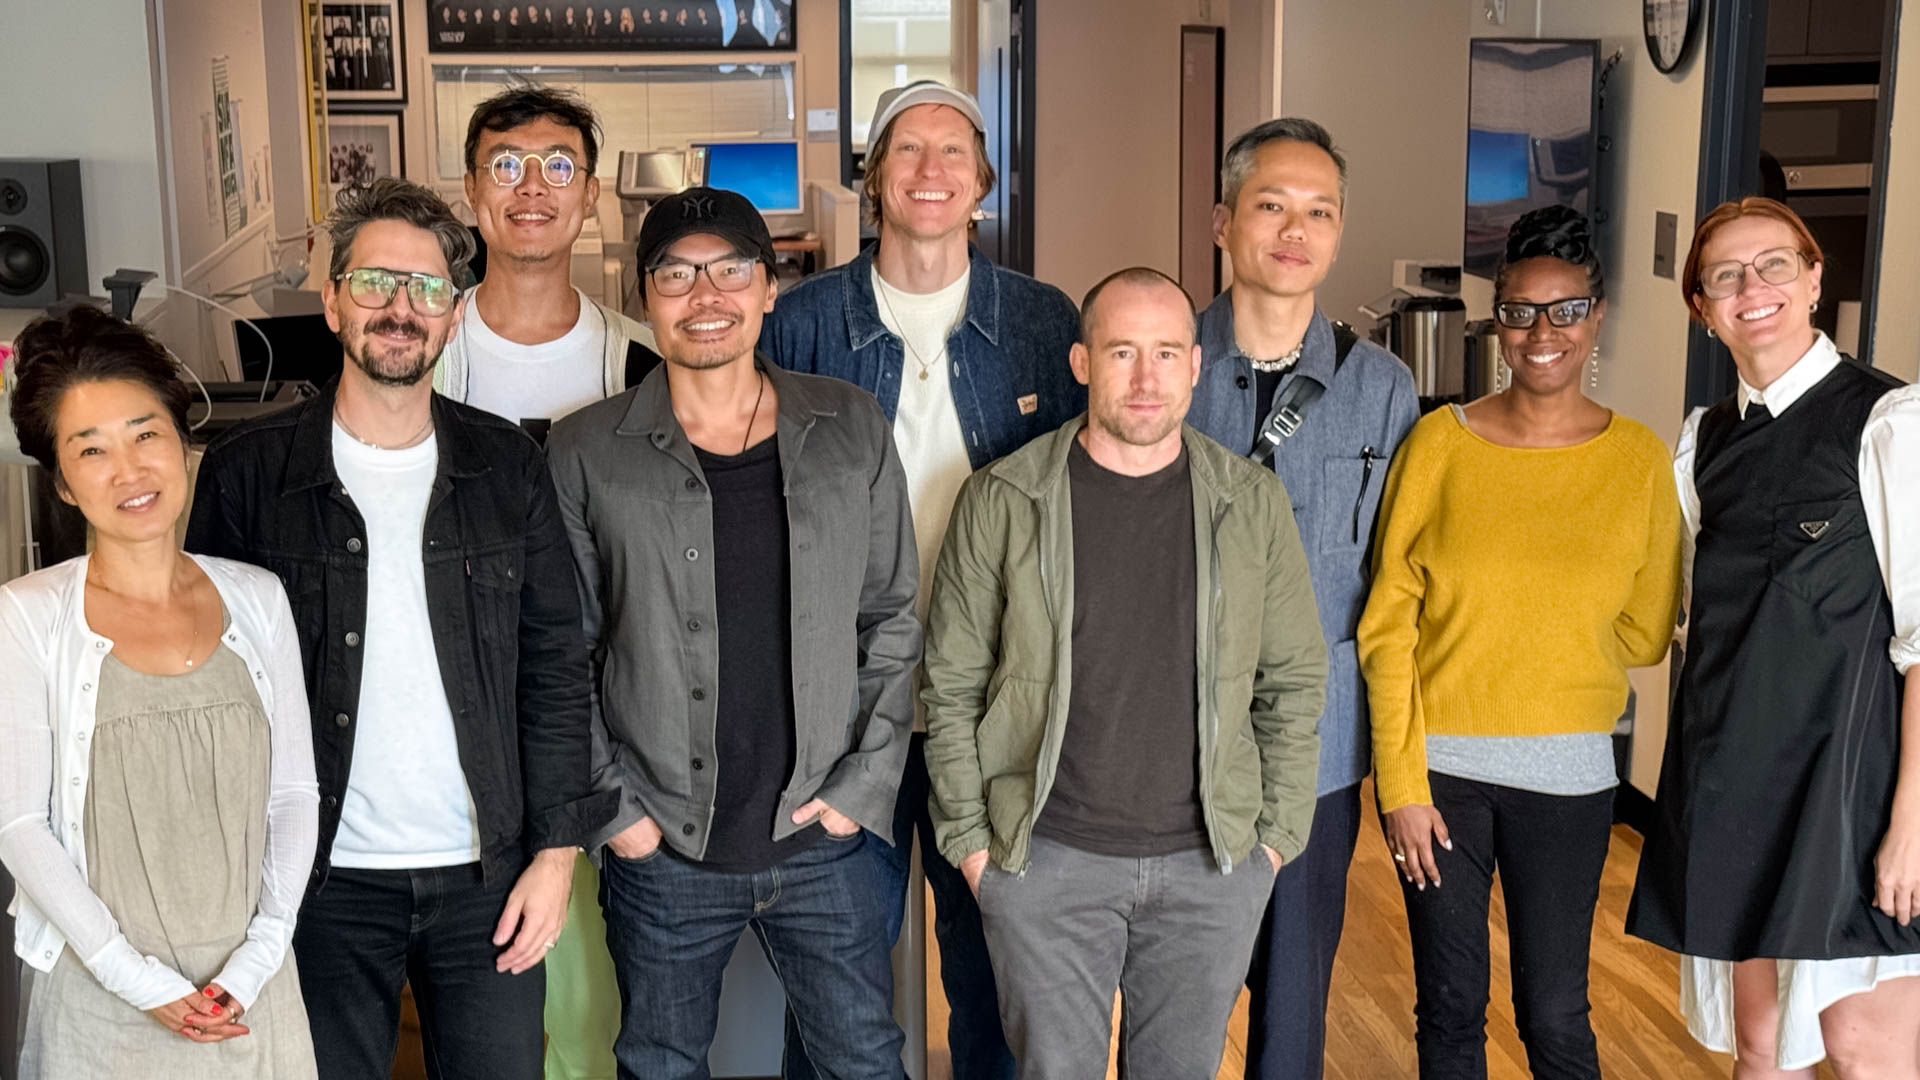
(176, 827)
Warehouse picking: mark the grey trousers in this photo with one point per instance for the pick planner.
(1171, 933)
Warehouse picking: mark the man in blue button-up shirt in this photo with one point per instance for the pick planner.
(969, 362)
(1283, 186)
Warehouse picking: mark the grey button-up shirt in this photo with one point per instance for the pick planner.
(1368, 407)
(640, 518)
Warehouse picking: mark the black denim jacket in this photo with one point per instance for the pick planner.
(500, 591)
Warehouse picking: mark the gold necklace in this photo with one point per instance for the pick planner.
(193, 614)
(417, 438)
(904, 339)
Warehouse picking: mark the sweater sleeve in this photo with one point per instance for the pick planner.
(1390, 627)
(1645, 628)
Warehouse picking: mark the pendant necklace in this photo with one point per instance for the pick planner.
(925, 368)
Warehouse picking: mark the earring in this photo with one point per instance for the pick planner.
(1593, 369)
(1710, 333)
(1813, 307)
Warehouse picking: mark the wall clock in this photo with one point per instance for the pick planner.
(1670, 28)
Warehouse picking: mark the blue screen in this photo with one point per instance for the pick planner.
(767, 173)
(1497, 166)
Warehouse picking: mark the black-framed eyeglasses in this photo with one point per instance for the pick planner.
(1776, 266)
(731, 274)
(373, 287)
(1520, 315)
(509, 167)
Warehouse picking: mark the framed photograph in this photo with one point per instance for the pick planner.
(609, 26)
(362, 53)
(362, 147)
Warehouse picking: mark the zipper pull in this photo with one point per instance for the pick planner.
(469, 565)
(1367, 458)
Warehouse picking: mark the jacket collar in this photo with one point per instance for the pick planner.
(863, 310)
(1216, 339)
(310, 458)
(1038, 470)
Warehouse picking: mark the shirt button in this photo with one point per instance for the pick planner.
(698, 695)
(1241, 382)
(88, 687)
(693, 625)
(49, 956)
(687, 829)
(76, 781)
(330, 802)
(341, 720)
(354, 545)
(692, 484)
(353, 638)
(698, 764)
(693, 554)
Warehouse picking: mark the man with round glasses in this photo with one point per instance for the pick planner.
(440, 629)
(746, 559)
(532, 347)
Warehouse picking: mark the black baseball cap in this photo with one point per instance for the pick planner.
(715, 211)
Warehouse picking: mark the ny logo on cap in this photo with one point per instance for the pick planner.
(697, 206)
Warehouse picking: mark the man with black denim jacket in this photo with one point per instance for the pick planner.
(746, 562)
(440, 628)
(1283, 190)
(969, 362)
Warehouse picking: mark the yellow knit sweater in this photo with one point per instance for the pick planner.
(1513, 588)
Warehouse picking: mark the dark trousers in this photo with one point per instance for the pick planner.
(1549, 850)
(821, 919)
(1293, 956)
(974, 1037)
(368, 933)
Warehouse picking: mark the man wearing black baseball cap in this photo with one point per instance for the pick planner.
(747, 571)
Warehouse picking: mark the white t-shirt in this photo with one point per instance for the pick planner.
(926, 426)
(535, 382)
(407, 806)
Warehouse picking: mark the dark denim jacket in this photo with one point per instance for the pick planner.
(1335, 485)
(640, 519)
(500, 590)
(1011, 380)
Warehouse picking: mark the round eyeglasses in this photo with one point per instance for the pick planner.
(1776, 266)
(731, 274)
(1519, 315)
(508, 168)
(373, 287)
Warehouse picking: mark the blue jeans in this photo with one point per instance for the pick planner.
(367, 933)
(821, 917)
(974, 1038)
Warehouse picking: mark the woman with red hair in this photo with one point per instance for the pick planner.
(1784, 859)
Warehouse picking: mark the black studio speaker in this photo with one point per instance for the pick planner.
(43, 237)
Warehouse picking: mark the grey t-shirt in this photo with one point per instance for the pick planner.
(1128, 779)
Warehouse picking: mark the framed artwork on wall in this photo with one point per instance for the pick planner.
(362, 52)
(362, 147)
(489, 26)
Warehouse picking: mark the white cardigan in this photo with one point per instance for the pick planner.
(49, 667)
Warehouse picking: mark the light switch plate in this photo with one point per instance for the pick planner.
(1666, 232)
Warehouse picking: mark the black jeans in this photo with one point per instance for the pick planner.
(1299, 937)
(1549, 850)
(975, 1040)
(367, 933)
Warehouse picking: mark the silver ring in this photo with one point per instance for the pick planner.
(1397, 857)
(551, 944)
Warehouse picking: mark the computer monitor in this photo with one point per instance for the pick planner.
(650, 174)
(303, 348)
(767, 172)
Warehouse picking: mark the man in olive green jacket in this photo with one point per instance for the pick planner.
(1124, 673)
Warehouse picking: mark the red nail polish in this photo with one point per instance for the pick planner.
(208, 991)
(215, 1009)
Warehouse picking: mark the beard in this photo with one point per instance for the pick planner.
(706, 355)
(1114, 420)
(387, 364)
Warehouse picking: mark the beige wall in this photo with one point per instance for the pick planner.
(1896, 314)
(1107, 103)
(1403, 136)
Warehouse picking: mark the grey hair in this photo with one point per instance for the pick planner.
(393, 199)
(1143, 276)
(1237, 167)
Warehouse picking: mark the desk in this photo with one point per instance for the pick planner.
(809, 248)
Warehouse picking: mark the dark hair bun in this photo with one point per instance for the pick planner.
(1556, 231)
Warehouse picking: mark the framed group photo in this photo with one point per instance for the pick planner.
(362, 52)
(609, 26)
(363, 147)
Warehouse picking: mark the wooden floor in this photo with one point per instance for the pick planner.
(1370, 1016)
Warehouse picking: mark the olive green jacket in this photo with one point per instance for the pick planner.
(999, 660)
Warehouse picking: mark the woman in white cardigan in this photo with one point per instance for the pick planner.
(157, 801)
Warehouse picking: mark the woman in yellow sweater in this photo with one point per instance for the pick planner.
(1529, 555)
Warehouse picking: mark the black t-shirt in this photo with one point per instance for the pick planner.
(754, 725)
(1265, 385)
(1128, 782)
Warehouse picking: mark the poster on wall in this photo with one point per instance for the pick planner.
(361, 52)
(361, 148)
(655, 26)
(226, 113)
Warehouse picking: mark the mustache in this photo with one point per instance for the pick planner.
(686, 325)
(387, 324)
